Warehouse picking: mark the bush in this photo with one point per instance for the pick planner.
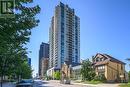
(57, 75)
(100, 77)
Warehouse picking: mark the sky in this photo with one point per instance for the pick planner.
(104, 28)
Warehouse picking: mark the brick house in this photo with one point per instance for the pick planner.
(112, 68)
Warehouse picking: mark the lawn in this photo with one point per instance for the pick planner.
(92, 82)
(125, 85)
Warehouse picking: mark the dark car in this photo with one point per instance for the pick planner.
(25, 83)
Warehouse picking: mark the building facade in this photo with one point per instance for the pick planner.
(29, 62)
(44, 66)
(64, 37)
(76, 72)
(43, 53)
(111, 68)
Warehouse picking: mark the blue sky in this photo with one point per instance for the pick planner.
(104, 28)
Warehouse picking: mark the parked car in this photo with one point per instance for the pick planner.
(25, 83)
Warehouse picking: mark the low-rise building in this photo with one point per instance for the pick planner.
(112, 68)
(76, 72)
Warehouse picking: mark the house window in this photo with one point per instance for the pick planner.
(96, 59)
(101, 67)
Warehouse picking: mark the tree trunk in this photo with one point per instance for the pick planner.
(1, 75)
(1, 79)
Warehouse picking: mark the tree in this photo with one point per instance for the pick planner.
(87, 70)
(129, 75)
(14, 35)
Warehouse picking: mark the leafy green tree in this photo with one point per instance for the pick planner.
(14, 35)
(27, 71)
(87, 70)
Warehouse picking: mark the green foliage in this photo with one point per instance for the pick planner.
(14, 35)
(57, 75)
(87, 71)
(129, 75)
(27, 71)
(100, 77)
(124, 85)
(92, 82)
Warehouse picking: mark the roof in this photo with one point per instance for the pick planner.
(108, 58)
(114, 59)
(101, 63)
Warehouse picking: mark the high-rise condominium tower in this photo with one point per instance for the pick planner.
(64, 37)
(43, 53)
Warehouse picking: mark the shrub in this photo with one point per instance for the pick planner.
(100, 77)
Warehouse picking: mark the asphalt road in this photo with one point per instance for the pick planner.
(54, 83)
(39, 83)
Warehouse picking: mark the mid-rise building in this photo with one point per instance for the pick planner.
(64, 37)
(43, 53)
(44, 66)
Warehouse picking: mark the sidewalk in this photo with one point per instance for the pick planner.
(56, 83)
(84, 84)
(98, 85)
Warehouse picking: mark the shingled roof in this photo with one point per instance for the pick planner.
(108, 58)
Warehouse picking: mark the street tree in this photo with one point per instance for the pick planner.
(14, 35)
(87, 71)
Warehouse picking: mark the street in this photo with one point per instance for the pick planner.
(55, 83)
(40, 83)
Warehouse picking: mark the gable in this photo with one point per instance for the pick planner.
(99, 58)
